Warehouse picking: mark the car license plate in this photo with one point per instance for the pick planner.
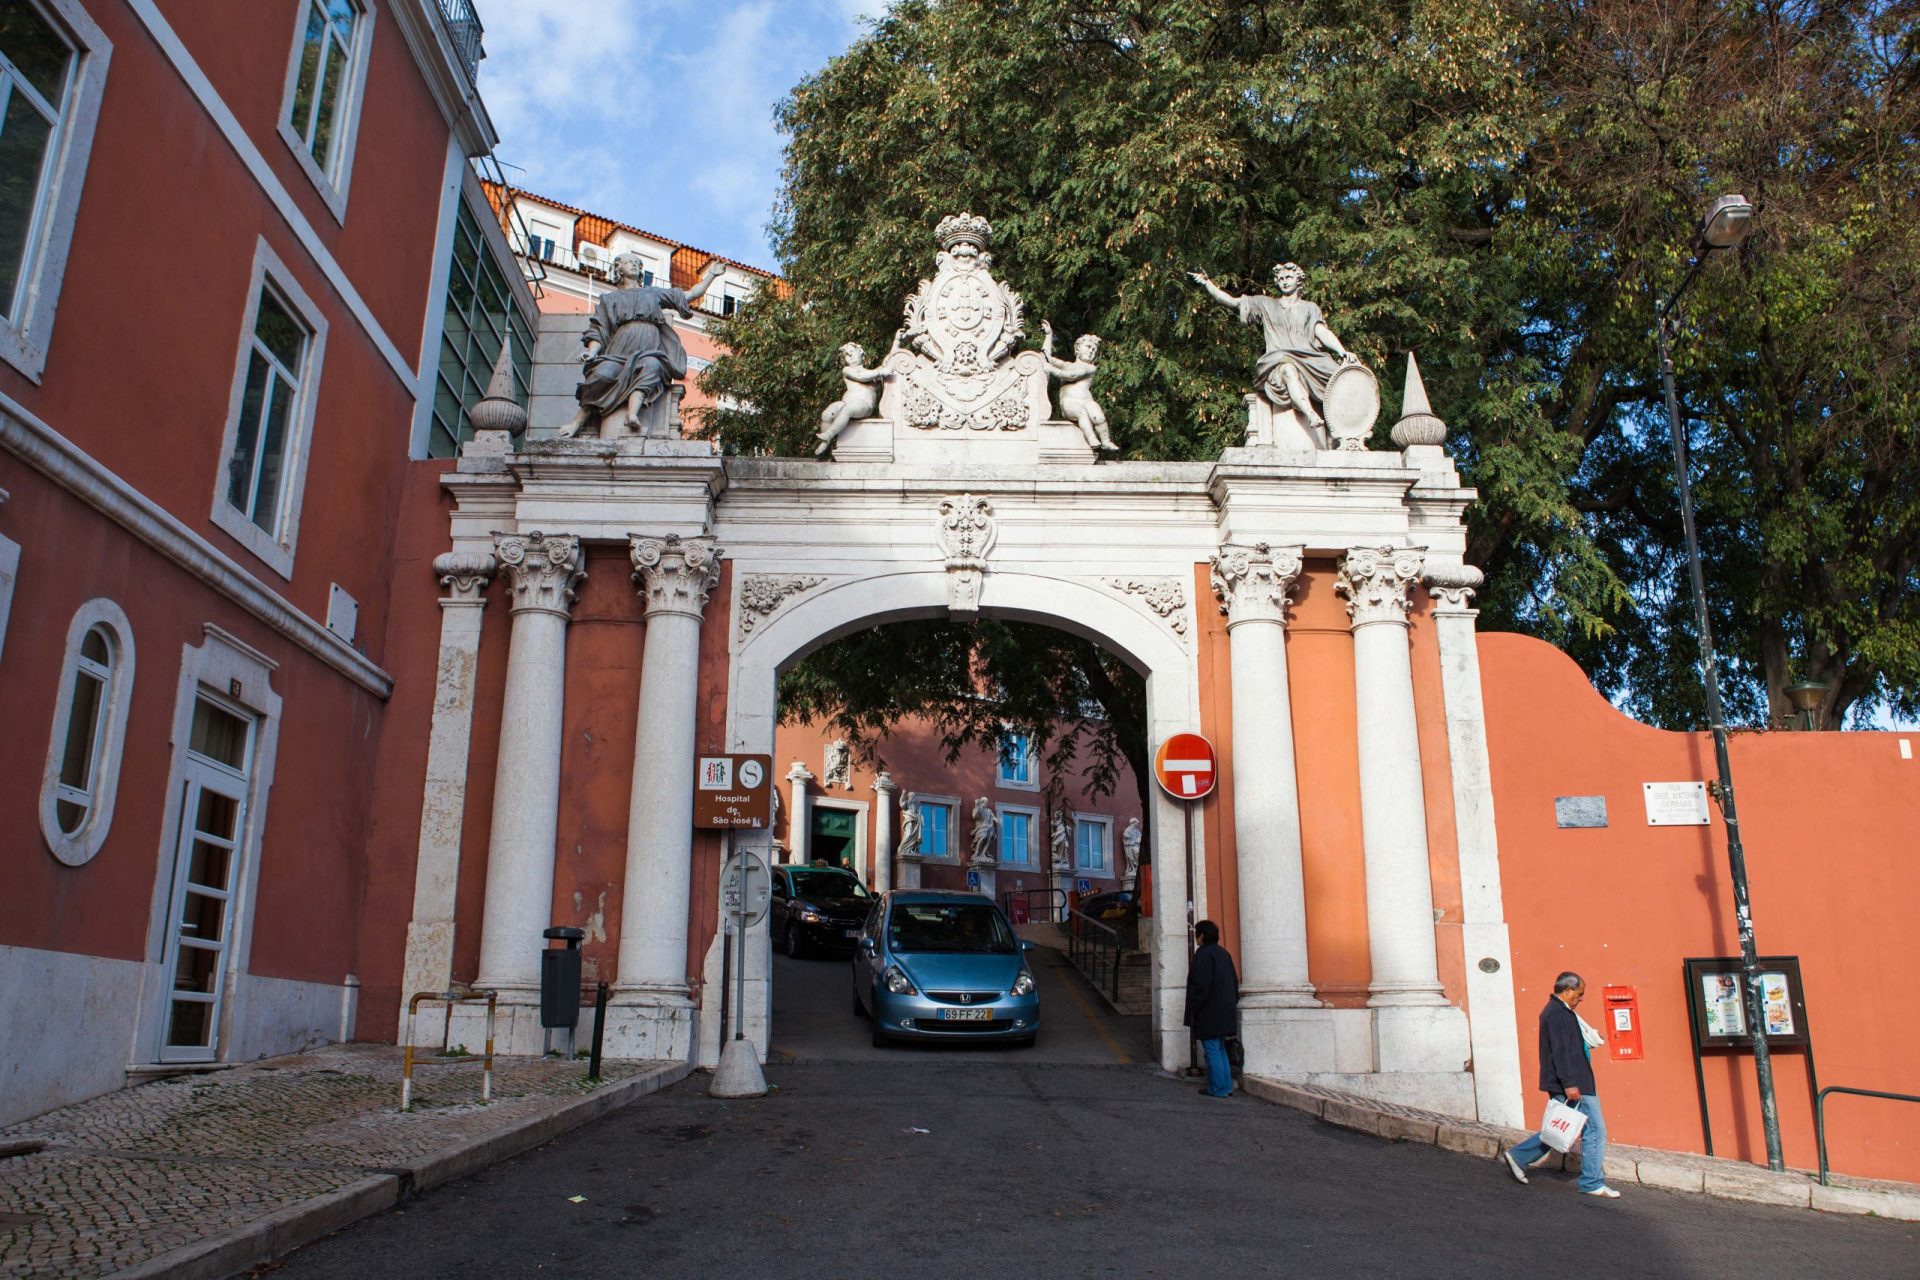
(966, 1015)
(849, 933)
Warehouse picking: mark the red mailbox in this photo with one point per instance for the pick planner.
(1623, 1024)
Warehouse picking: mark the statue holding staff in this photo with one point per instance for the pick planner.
(630, 353)
(1302, 353)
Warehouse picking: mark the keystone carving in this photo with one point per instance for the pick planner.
(465, 575)
(965, 531)
(545, 569)
(1165, 596)
(762, 594)
(674, 574)
(1374, 581)
(1452, 586)
(1255, 583)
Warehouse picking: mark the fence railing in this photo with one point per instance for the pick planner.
(1036, 906)
(1820, 1115)
(466, 33)
(1095, 950)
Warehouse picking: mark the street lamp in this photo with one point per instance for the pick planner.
(1806, 697)
(1726, 224)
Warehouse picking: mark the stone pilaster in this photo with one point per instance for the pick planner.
(884, 788)
(543, 572)
(428, 965)
(675, 576)
(798, 812)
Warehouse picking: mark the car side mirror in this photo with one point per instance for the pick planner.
(1026, 945)
(866, 945)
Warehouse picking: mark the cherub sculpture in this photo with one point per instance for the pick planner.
(861, 399)
(1075, 376)
(1302, 352)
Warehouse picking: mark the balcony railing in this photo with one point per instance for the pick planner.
(464, 29)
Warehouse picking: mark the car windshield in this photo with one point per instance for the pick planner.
(942, 926)
(827, 884)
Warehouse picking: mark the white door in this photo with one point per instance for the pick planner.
(206, 868)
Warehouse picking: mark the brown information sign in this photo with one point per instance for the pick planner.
(733, 792)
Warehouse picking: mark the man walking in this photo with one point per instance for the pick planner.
(1213, 999)
(1566, 1073)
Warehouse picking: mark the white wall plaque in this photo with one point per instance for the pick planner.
(1676, 804)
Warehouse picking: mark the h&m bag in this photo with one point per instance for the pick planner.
(1560, 1127)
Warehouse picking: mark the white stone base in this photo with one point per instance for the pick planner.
(1414, 1056)
(649, 1026)
(1292, 1043)
(879, 440)
(1421, 1038)
(516, 1025)
(1450, 1093)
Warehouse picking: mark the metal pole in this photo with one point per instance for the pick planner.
(740, 928)
(1717, 724)
(599, 1029)
(1186, 811)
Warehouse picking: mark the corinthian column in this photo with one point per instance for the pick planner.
(1253, 583)
(1393, 808)
(543, 571)
(436, 876)
(674, 576)
(797, 777)
(883, 789)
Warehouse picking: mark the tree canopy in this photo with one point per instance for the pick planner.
(1506, 188)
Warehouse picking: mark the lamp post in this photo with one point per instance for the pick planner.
(1725, 226)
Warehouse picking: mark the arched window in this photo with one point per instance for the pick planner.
(89, 723)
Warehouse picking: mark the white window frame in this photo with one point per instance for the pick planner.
(79, 848)
(1106, 843)
(952, 804)
(277, 552)
(1034, 835)
(332, 187)
(25, 337)
(9, 575)
(235, 672)
(1000, 776)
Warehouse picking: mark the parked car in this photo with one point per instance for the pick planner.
(1108, 907)
(818, 908)
(940, 965)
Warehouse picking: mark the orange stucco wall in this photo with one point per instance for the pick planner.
(1827, 820)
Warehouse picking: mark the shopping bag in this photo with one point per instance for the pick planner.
(1560, 1127)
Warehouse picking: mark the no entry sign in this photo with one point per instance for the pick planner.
(1184, 766)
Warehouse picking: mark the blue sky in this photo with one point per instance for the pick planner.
(657, 113)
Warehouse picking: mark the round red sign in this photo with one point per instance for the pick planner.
(1184, 766)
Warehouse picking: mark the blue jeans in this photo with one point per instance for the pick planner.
(1219, 1071)
(1593, 1145)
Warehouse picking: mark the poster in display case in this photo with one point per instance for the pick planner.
(1719, 1010)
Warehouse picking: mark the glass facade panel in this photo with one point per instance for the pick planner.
(480, 314)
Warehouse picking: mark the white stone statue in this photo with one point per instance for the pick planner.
(1075, 376)
(986, 829)
(910, 826)
(1130, 842)
(1062, 844)
(779, 838)
(631, 357)
(838, 770)
(1302, 357)
(861, 398)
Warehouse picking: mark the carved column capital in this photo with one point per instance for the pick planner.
(545, 569)
(799, 773)
(1452, 587)
(1254, 582)
(465, 575)
(675, 574)
(884, 784)
(1374, 582)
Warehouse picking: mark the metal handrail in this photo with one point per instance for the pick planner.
(1081, 940)
(1054, 900)
(407, 1059)
(1820, 1114)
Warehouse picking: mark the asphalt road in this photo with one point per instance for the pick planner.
(986, 1163)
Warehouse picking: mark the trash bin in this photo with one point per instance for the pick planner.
(560, 978)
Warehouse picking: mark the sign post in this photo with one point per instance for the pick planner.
(732, 793)
(1185, 768)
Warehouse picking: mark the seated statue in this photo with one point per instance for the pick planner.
(631, 354)
(1302, 354)
(861, 399)
(1075, 376)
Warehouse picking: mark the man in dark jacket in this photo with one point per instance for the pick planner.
(1566, 1074)
(1213, 1000)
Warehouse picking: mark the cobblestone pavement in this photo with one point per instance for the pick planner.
(111, 1182)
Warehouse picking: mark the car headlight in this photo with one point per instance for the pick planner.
(1023, 985)
(898, 982)
(811, 916)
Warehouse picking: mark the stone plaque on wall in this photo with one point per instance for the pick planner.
(1580, 811)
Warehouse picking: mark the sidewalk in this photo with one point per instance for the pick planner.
(1668, 1170)
(205, 1175)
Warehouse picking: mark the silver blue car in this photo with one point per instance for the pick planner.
(932, 964)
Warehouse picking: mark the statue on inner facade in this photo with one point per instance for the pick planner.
(1302, 353)
(910, 826)
(1062, 844)
(985, 829)
(861, 399)
(1130, 842)
(839, 766)
(630, 355)
(1075, 376)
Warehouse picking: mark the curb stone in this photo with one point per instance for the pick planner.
(220, 1256)
(1668, 1171)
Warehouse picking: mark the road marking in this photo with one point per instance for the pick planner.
(1093, 1016)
